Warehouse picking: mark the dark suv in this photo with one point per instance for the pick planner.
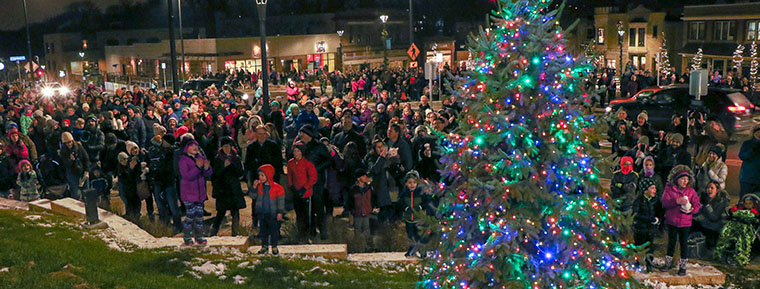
(730, 107)
(201, 84)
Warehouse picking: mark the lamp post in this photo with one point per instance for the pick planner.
(384, 34)
(181, 40)
(620, 32)
(172, 47)
(28, 35)
(261, 6)
(81, 55)
(340, 47)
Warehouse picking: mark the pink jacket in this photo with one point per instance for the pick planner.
(673, 214)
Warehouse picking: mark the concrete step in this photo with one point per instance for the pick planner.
(704, 275)
(13, 204)
(129, 232)
(329, 251)
(389, 257)
(41, 205)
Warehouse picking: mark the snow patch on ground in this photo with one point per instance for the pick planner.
(320, 284)
(662, 285)
(3, 270)
(210, 268)
(33, 217)
(239, 279)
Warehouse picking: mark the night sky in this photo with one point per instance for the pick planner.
(12, 11)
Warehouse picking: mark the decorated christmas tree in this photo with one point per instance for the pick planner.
(521, 205)
(697, 60)
(753, 63)
(738, 57)
(664, 59)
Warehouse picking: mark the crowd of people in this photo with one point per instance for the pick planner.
(159, 149)
(314, 151)
(674, 180)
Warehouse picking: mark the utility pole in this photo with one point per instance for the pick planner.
(172, 48)
(181, 40)
(28, 35)
(411, 24)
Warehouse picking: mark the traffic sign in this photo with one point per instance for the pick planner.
(413, 64)
(17, 58)
(413, 51)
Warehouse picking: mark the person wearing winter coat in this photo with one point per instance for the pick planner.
(307, 116)
(645, 220)
(673, 154)
(128, 173)
(361, 191)
(270, 205)
(15, 148)
(7, 181)
(378, 162)
(712, 217)
(738, 235)
(414, 202)
(12, 130)
(96, 141)
(680, 202)
(75, 161)
(622, 139)
(749, 175)
(194, 169)
(161, 174)
(623, 185)
(316, 152)
(712, 170)
(27, 182)
(334, 185)
(228, 171)
(302, 175)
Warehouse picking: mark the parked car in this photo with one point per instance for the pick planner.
(729, 107)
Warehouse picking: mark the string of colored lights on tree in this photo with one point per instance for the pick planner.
(521, 205)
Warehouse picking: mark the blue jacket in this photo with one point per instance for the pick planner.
(750, 156)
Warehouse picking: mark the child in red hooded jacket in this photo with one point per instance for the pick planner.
(270, 206)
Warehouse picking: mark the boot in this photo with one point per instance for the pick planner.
(275, 251)
(410, 252)
(668, 264)
(213, 232)
(648, 263)
(682, 267)
(264, 250)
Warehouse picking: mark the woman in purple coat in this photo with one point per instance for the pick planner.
(680, 202)
(194, 169)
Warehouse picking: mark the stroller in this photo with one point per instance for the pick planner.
(742, 230)
(51, 178)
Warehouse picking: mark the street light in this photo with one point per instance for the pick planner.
(261, 6)
(620, 31)
(384, 34)
(340, 47)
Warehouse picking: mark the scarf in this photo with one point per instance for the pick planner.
(626, 169)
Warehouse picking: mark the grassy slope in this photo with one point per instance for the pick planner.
(96, 265)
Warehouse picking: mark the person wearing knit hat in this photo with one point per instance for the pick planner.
(680, 202)
(181, 131)
(642, 117)
(713, 169)
(158, 130)
(673, 154)
(308, 130)
(749, 175)
(646, 223)
(169, 139)
(75, 161)
(623, 184)
(132, 148)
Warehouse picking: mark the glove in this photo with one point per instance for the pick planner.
(302, 192)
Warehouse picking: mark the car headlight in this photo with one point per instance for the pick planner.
(64, 90)
(48, 91)
(608, 109)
